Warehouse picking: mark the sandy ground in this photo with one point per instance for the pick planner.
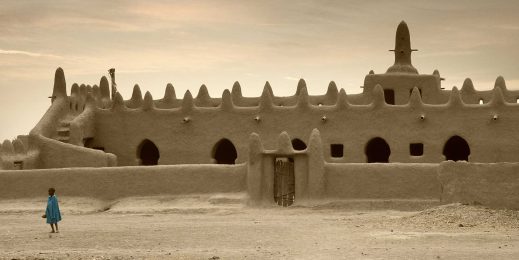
(223, 227)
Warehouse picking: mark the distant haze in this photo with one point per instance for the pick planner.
(189, 43)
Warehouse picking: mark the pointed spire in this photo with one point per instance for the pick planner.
(415, 100)
(342, 100)
(497, 97)
(202, 98)
(468, 87)
(104, 88)
(82, 90)
(169, 94)
(266, 99)
(136, 99)
(118, 103)
(500, 83)
(236, 89)
(227, 104)
(455, 98)
(284, 144)
(74, 90)
(378, 97)
(148, 103)
(332, 92)
(402, 51)
(300, 84)
(302, 97)
(187, 102)
(60, 85)
(269, 88)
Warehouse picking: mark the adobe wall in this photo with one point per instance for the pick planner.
(493, 185)
(117, 182)
(382, 181)
(187, 134)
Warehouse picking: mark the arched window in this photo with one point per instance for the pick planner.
(148, 153)
(456, 149)
(224, 152)
(377, 151)
(298, 145)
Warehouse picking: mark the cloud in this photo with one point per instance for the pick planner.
(291, 78)
(28, 53)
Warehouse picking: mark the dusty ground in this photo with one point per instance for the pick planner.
(222, 227)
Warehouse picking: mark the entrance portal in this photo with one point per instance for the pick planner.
(456, 149)
(224, 152)
(377, 151)
(284, 181)
(148, 153)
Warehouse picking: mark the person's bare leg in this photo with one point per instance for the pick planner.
(56, 224)
(52, 226)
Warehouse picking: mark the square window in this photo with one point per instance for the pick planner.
(416, 149)
(337, 150)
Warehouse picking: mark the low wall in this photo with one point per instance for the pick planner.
(494, 185)
(382, 181)
(117, 182)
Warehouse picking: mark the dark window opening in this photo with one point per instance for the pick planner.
(337, 150)
(18, 165)
(76, 107)
(148, 153)
(416, 149)
(99, 148)
(88, 142)
(377, 151)
(389, 96)
(456, 149)
(298, 145)
(224, 152)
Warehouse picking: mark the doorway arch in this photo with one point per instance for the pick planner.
(224, 152)
(456, 149)
(298, 144)
(377, 151)
(148, 153)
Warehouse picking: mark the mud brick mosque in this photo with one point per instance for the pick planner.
(401, 118)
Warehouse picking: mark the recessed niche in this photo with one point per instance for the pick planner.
(416, 149)
(481, 102)
(337, 150)
(389, 96)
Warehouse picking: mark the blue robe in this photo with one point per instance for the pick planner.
(52, 212)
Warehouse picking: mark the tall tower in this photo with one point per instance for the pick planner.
(402, 51)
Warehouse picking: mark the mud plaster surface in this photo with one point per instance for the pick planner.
(220, 225)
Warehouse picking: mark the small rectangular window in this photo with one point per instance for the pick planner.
(18, 165)
(481, 102)
(389, 96)
(337, 150)
(416, 149)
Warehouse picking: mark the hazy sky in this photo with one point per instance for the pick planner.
(189, 43)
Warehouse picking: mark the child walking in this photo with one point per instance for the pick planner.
(52, 213)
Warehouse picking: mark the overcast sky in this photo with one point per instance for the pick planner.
(189, 43)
